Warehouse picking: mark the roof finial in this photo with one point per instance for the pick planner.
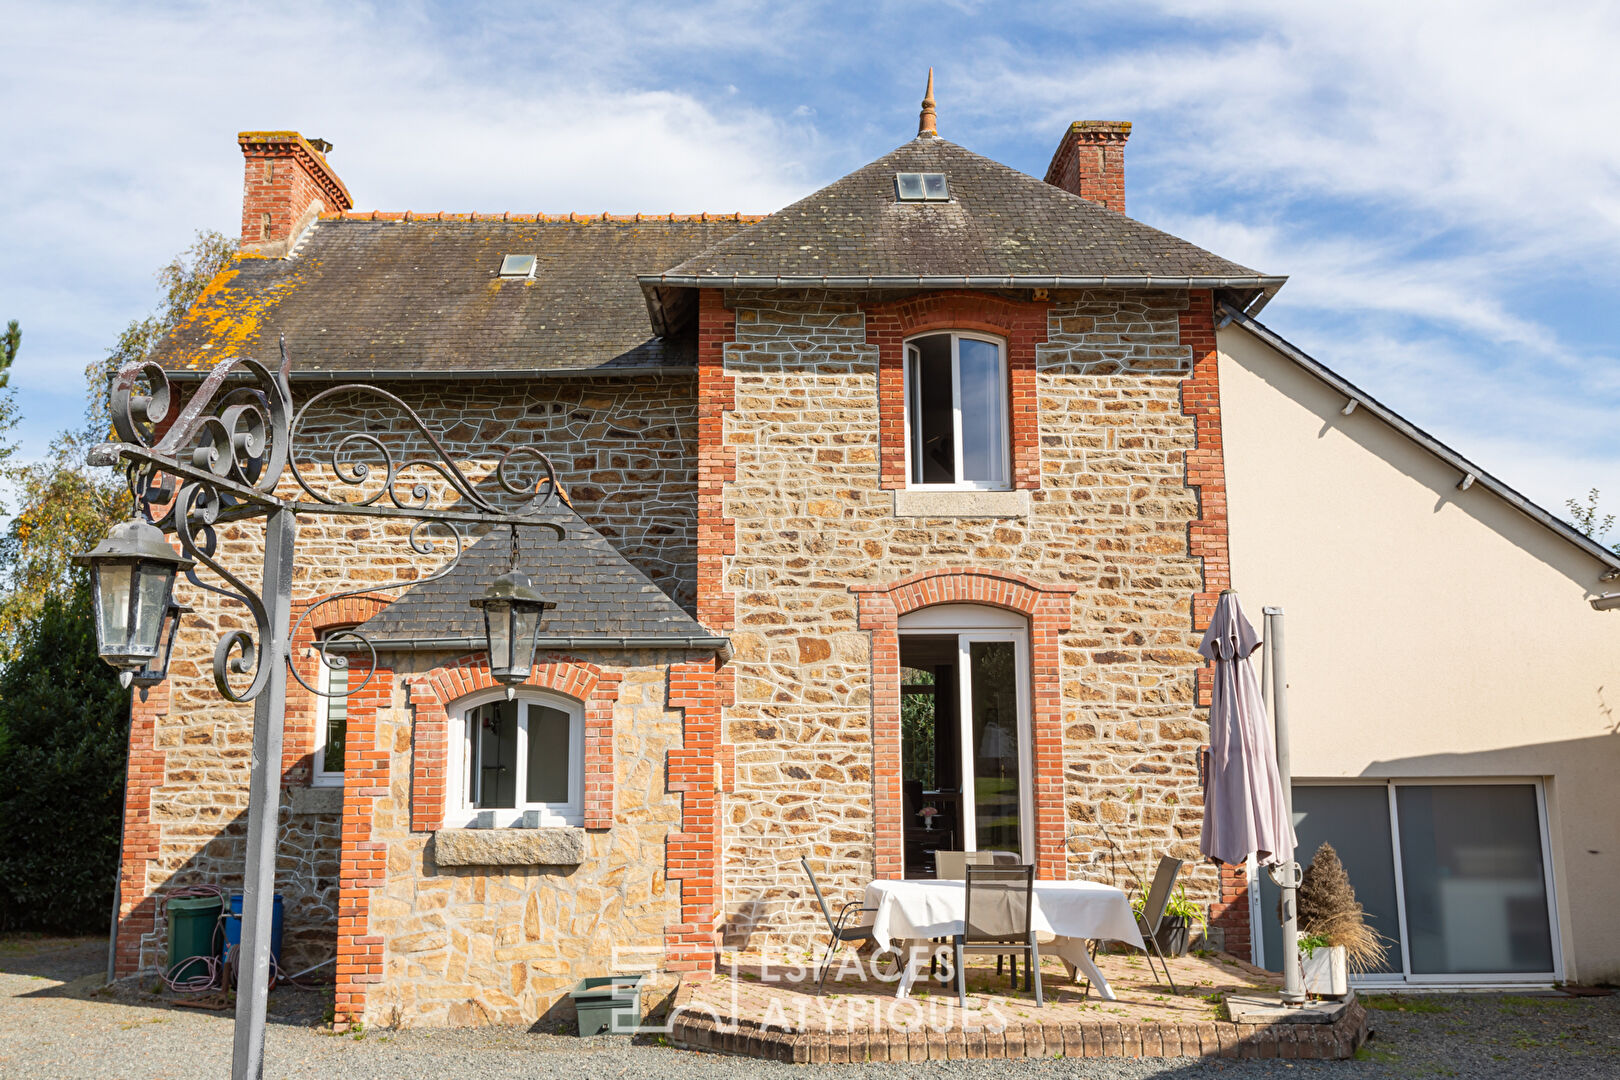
(927, 121)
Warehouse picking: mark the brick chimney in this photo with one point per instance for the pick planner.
(286, 182)
(1090, 161)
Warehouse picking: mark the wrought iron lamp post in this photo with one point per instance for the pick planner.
(225, 458)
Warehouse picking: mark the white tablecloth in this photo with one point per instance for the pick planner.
(909, 913)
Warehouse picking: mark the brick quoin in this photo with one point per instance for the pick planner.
(433, 693)
(137, 911)
(692, 855)
(1207, 541)
(286, 183)
(1021, 323)
(717, 463)
(1046, 606)
(364, 864)
(303, 707)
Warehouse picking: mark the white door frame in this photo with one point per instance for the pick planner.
(970, 623)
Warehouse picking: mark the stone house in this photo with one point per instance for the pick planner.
(914, 494)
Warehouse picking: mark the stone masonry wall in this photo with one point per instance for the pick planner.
(1111, 517)
(471, 945)
(624, 449)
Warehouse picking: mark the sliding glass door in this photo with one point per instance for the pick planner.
(1454, 875)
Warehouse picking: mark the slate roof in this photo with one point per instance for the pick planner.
(412, 297)
(601, 599)
(1000, 226)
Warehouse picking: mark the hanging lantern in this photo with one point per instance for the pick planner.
(157, 669)
(513, 612)
(132, 582)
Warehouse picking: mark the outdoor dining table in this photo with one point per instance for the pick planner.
(908, 914)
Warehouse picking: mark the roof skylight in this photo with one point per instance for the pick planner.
(517, 266)
(921, 187)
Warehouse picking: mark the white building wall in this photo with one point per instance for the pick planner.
(1431, 632)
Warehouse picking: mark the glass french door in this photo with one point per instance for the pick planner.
(993, 727)
(966, 743)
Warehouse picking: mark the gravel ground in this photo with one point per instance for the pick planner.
(57, 1021)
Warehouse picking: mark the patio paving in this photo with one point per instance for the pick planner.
(766, 1007)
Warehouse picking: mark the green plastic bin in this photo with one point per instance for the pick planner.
(192, 924)
(610, 1003)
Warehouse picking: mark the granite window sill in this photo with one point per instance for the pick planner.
(970, 504)
(323, 799)
(560, 846)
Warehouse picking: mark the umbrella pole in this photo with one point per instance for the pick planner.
(1288, 874)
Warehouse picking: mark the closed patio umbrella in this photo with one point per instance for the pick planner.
(1244, 808)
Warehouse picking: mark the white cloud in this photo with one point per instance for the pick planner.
(128, 141)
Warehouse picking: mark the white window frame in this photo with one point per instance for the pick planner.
(459, 809)
(971, 623)
(320, 775)
(1405, 978)
(909, 350)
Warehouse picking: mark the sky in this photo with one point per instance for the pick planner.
(1441, 181)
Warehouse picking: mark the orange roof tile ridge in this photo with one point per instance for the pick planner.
(507, 216)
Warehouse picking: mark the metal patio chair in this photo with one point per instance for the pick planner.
(840, 934)
(996, 919)
(1152, 917)
(952, 865)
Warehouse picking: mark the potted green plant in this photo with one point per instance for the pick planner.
(1334, 936)
(1175, 934)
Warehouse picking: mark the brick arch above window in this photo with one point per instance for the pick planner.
(298, 738)
(1022, 323)
(435, 693)
(1046, 605)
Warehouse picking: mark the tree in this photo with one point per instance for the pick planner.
(10, 341)
(64, 725)
(1585, 517)
(180, 282)
(64, 720)
(65, 507)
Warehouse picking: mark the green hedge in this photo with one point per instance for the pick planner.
(64, 731)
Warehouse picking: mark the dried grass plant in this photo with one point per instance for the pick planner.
(1328, 907)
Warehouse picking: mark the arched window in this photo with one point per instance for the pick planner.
(956, 411)
(517, 762)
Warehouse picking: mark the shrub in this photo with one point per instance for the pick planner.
(64, 729)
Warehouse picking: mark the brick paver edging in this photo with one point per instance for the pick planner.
(1085, 1039)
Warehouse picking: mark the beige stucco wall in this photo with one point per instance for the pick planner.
(1431, 632)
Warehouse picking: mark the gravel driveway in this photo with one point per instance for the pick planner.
(54, 1023)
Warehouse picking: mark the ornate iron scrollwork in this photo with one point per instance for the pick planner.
(224, 457)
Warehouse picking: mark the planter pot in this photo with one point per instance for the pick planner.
(1326, 973)
(1175, 935)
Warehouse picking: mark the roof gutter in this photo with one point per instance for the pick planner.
(962, 281)
(1258, 289)
(720, 645)
(1471, 474)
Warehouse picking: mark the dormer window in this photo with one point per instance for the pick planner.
(956, 412)
(921, 187)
